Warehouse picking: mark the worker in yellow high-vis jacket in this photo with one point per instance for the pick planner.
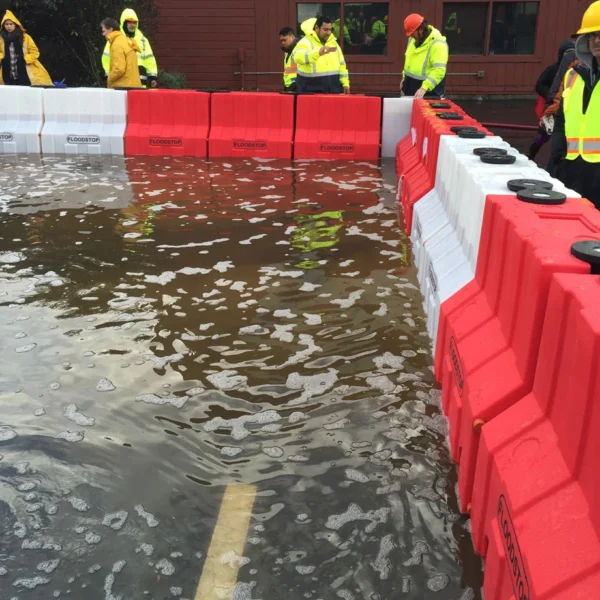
(426, 60)
(321, 64)
(576, 136)
(288, 41)
(146, 59)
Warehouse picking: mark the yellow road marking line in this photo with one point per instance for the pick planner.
(229, 534)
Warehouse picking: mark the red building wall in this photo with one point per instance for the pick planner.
(205, 39)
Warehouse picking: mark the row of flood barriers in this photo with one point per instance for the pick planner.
(509, 266)
(190, 123)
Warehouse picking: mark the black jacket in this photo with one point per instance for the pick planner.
(564, 61)
(544, 82)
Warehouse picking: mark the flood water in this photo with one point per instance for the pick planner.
(185, 342)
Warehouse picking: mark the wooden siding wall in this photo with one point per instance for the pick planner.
(202, 38)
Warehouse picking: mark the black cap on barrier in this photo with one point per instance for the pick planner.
(472, 135)
(436, 104)
(498, 159)
(541, 196)
(450, 116)
(489, 150)
(516, 185)
(589, 252)
(458, 128)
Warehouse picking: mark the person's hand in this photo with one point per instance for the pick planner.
(420, 94)
(326, 50)
(346, 90)
(154, 83)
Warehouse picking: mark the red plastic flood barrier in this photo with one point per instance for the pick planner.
(426, 129)
(167, 122)
(489, 332)
(251, 124)
(536, 503)
(338, 127)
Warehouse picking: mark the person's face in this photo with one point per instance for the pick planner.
(594, 44)
(105, 32)
(131, 25)
(417, 35)
(9, 26)
(351, 15)
(286, 41)
(324, 31)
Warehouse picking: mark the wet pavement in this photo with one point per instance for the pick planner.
(217, 383)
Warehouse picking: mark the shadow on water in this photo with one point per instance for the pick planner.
(175, 326)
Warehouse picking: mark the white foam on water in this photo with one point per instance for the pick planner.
(26, 348)
(7, 433)
(312, 385)
(92, 538)
(48, 566)
(161, 279)
(177, 402)
(382, 564)
(339, 424)
(227, 380)
(273, 451)
(160, 362)
(149, 517)
(389, 360)
(231, 451)
(296, 417)
(71, 436)
(238, 425)
(165, 567)
(355, 513)
(31, 583)
(357, 476)
(438, 582)
(251, 239)
(350, 301)
(78, 504)
(233, 559)
(284, 314)
(194, 271)
(253, 330)
(283, 333)
(10, 258)
(382, 310)
(72, 413)
(115, 520)
(223, 266)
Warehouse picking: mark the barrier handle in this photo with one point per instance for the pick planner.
(589, 252)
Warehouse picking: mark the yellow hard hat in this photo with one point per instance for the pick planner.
(591, 19)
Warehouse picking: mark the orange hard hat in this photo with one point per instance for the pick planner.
(412, 23)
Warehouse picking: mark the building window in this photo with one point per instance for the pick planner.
(365, 26)
(464, 25)
(513, 27)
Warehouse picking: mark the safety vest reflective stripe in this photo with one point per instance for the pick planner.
(422, 76)
(290, 70)
(582, 130)
(319, 74)
(571, 77)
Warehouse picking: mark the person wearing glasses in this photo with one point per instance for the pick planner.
(576, 139)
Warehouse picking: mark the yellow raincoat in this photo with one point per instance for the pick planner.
(123, 62)
(36, 72)
(321, 74)
(146, 59)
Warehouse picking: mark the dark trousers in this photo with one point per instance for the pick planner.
(581, 176)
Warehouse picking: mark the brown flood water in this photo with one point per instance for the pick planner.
(175, 326)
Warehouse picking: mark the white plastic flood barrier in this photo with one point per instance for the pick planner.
(84, 121)
(447, 221)
(21, 119)
(397, 113)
